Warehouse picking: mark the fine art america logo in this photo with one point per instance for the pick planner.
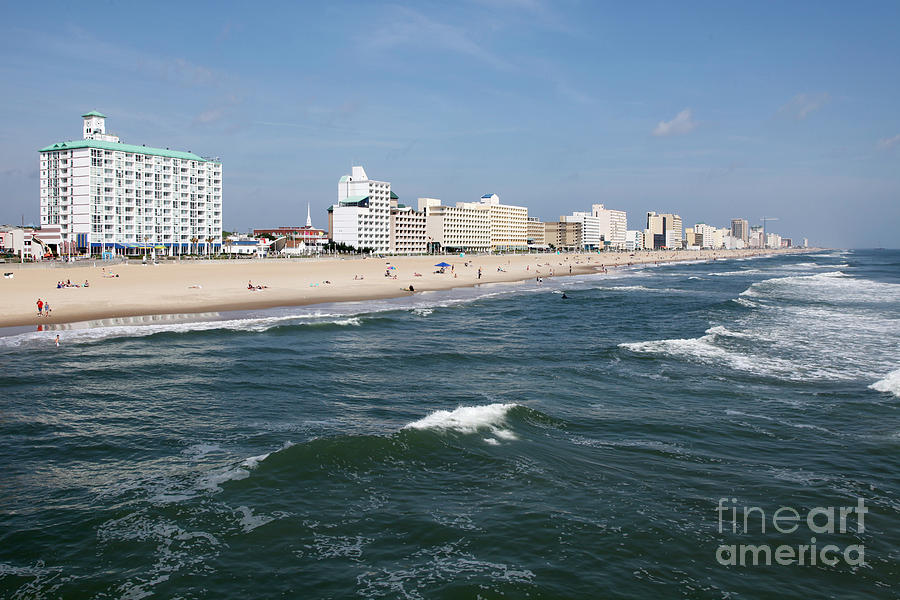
(821, 521)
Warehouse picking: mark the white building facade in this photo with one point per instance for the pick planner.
(509, 224)
(590, 229)
(361, 218)
(107, 195)
(634, 240)
(613, 225)
(465, 227)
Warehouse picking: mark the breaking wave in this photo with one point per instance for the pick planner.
(890, 384)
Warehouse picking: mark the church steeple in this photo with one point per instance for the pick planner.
(308, 219)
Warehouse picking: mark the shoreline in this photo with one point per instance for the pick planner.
(222, 286)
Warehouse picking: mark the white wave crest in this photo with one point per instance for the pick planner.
(704, 350)
(719, 330)
(890, 384)
(469, 419)
(643, 288)
(133, 327)
(732, 273)
(745, 302)
(833, 286)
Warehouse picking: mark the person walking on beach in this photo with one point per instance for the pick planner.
(46, 309)
(40, 305)
(479, 272)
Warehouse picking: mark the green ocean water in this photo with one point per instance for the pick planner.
(478, 443)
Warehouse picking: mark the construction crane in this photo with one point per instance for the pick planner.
(765, 240)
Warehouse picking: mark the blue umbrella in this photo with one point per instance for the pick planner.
(442, 264)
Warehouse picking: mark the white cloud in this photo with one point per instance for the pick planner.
(681, 124)
(888, 143)
(801, 105)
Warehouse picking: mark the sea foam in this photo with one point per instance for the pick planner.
(890, 384)
(469, 419)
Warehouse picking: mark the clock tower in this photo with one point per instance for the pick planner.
(95, 127)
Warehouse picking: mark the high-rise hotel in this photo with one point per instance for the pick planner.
(106, 194)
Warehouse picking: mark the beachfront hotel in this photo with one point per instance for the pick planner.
(613, 225)
(106, 195)
(465, 227)
(483, 226)
(568, 235)
(362, 216)
(662, 231)
(508, 224)
(408, 227)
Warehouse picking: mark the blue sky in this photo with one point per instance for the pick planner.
(711, 110)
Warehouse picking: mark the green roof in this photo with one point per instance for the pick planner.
(123, 148)
(344, 179)
(354, 199)
(94, 113)
(394, 196)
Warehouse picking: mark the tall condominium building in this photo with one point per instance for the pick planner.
(104, 194)
(740, 228)
(509, 224)
(465, 227)
(361, 218)
(564, 234)
(613, 225)
(407, 229)
(662, 231)
(590, 229)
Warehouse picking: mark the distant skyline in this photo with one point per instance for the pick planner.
(711, 110)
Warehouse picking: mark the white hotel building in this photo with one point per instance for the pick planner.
(104, 194)
(465, 227)
(613, 225)
(509, 224)
(362, 216)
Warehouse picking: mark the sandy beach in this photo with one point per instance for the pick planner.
(193, 286)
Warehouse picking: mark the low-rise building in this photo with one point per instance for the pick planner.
(246, 246)
(634, 240)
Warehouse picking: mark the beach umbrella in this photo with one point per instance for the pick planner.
(442, 264)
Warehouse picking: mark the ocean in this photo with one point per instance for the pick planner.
(488, 442)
